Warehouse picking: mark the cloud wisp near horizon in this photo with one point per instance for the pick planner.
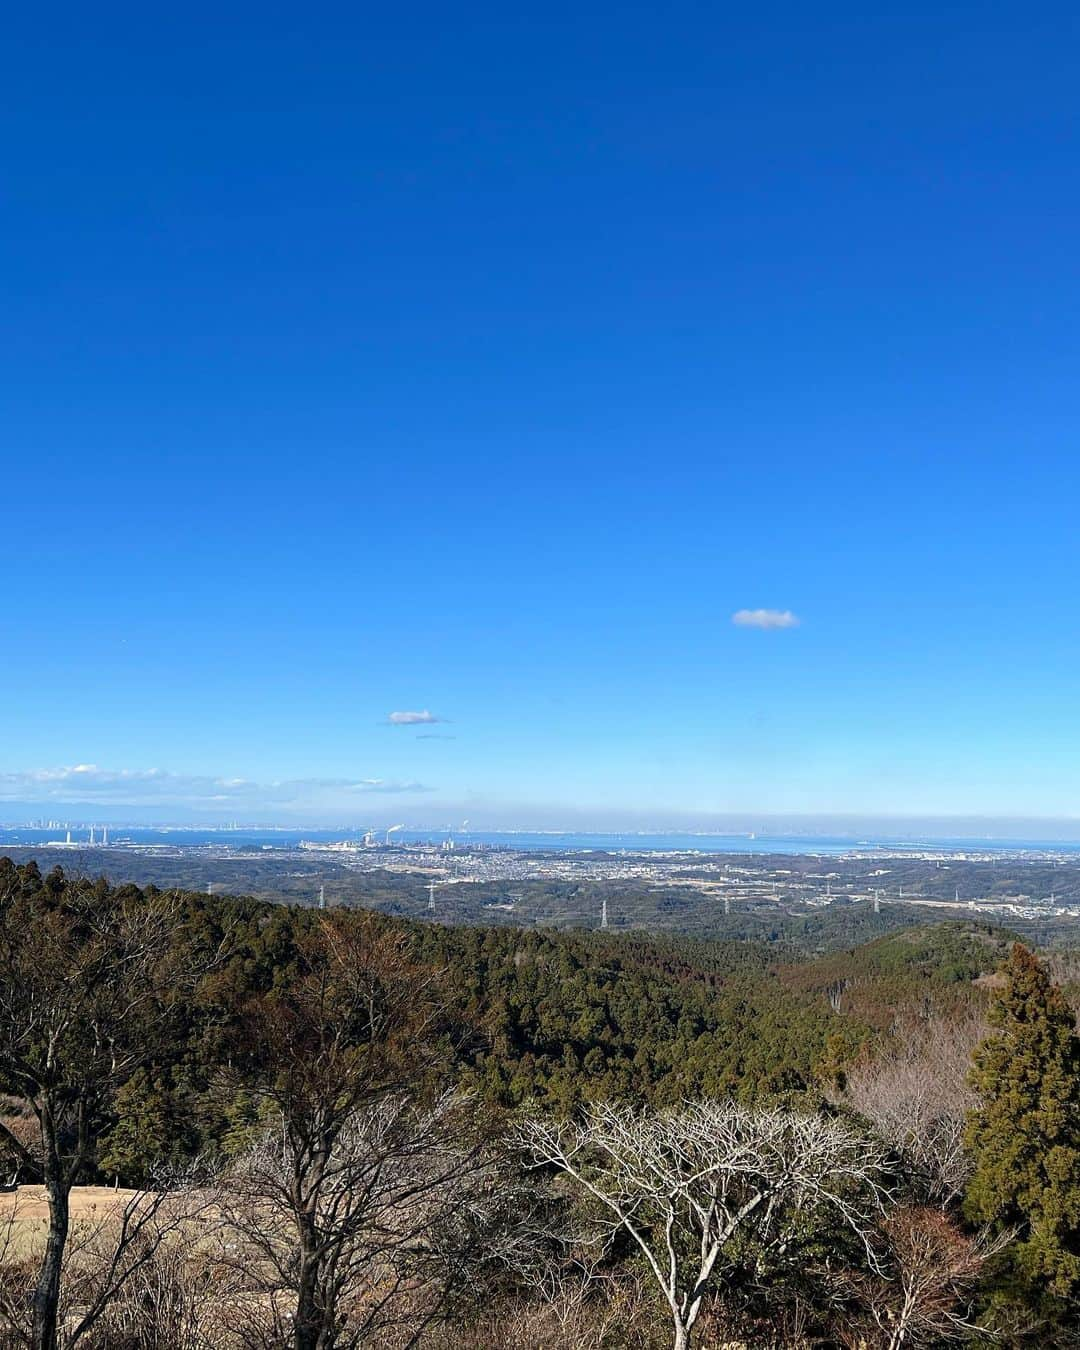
(85, 793)
(138, 787)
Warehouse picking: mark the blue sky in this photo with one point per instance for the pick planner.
(486, 361)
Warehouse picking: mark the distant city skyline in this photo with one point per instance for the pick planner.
(543, 417)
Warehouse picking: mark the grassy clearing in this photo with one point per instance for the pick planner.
(24, 1214)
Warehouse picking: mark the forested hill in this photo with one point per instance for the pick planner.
(565, 1016)
(187, 1031)
(561, 1017)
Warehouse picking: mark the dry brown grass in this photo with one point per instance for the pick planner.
(24, 1214)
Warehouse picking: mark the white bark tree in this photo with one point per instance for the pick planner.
(687, 1185)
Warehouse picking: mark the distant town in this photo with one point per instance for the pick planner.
(487, 880)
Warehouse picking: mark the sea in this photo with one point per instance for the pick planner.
(537, 841)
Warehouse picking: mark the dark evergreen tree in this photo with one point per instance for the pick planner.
(146, 1136)
(1025, 1134)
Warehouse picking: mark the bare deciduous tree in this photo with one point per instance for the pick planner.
(82, 974)
(917, 1096)
(585, 1303)
(406, 1210)
(345, 1033)
(930, 1267)
(181, 1298)
(338, 1058)
(104, 1257)
(686, 1185)
(124, 1242)
(16, 1281)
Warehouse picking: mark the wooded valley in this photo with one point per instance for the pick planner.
(342, 1128)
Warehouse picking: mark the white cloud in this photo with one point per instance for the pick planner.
(765, 618)
(413, 719)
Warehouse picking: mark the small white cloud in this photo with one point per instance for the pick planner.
(765, 618)
(413, 719)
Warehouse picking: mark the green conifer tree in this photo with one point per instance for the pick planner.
(140, 1139)
(1024, 1136)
